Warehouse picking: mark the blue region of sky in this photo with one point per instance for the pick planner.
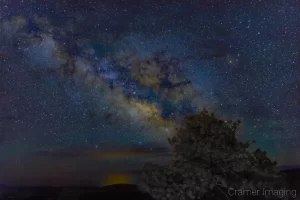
(243, 57)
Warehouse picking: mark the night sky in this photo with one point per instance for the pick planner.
(91, 91)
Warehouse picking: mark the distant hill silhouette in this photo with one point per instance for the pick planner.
(117, 192)
(285, 168)
(111, 192)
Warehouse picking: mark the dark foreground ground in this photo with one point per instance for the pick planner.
(119, 191)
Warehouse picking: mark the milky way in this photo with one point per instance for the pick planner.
(99, 86)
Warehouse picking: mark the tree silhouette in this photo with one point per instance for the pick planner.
(209, 160)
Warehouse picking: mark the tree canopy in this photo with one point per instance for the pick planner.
(209, 160)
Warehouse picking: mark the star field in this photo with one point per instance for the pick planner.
(242, 59)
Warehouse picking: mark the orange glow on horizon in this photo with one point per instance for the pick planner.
(118, 155)
(117, 179)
